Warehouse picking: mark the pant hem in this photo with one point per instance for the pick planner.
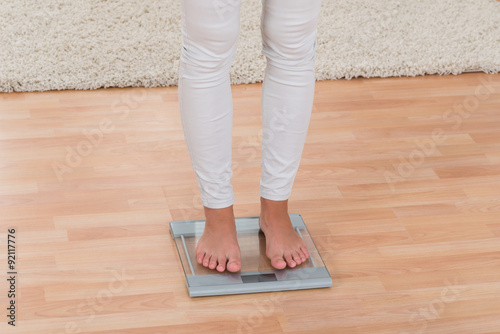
(274, 197)
(218, 205)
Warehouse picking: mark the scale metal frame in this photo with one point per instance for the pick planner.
(308, 275)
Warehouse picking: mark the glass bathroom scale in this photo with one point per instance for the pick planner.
(256, 274)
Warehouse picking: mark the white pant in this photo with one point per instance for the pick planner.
(210, 31)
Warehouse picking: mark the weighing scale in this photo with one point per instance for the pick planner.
(256, 274)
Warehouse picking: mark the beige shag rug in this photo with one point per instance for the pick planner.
(88, 44)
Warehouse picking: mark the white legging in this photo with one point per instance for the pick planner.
(210, 31)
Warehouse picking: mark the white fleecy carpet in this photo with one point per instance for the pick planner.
(88, 44)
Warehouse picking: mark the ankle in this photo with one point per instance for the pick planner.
(219, 217)
(270, 207)
(219, 211)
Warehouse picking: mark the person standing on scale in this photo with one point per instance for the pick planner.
(209, 35)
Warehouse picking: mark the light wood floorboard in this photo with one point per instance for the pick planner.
(399, 185)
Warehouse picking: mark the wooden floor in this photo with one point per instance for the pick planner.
(399, 185)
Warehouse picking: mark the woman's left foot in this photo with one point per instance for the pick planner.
(283, 245)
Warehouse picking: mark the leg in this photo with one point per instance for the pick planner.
(210, 32)
(289, 44)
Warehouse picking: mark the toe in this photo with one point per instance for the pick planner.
(233, 265)
(305, 252)
(289, 260)
(296, 257)
(213, 262)
(222, 264)
(199, 257)
(301, 255)
(278, 262)
(206, 260)
(233, 259)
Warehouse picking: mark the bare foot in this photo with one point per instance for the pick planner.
(283, 244)
(218, 246)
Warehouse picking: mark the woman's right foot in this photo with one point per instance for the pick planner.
(218, 246)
